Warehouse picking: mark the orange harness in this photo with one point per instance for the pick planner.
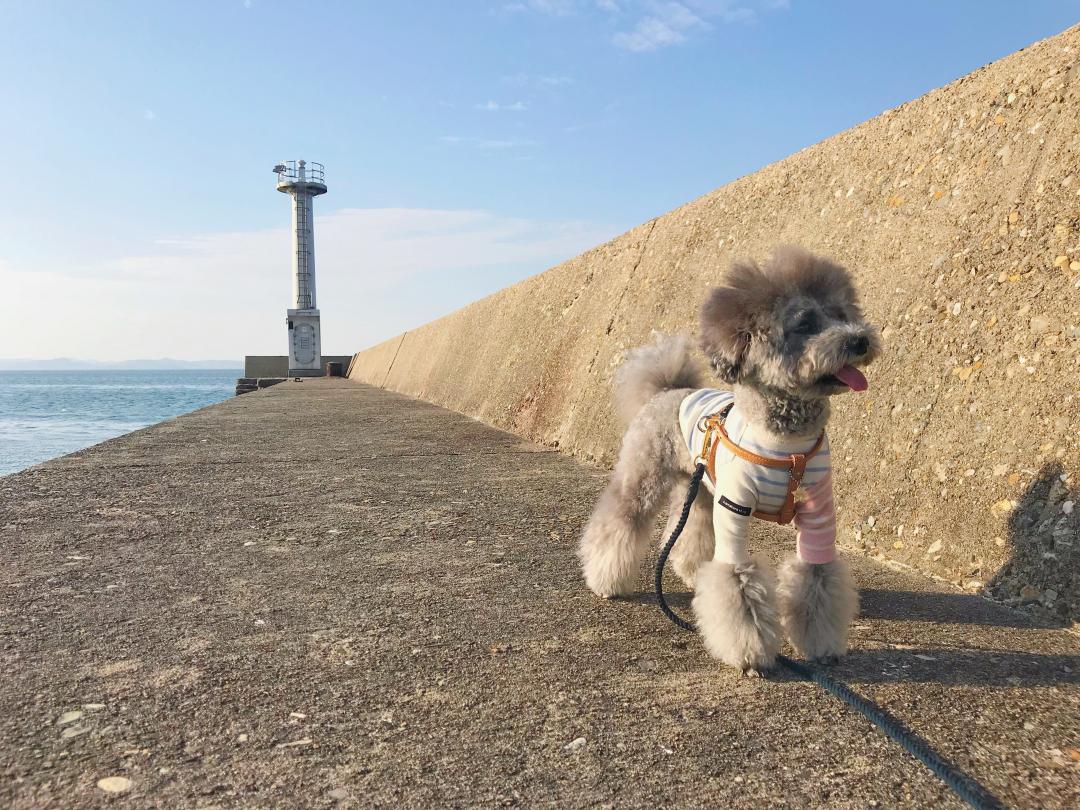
(716, 434)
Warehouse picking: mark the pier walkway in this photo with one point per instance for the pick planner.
(323, 594)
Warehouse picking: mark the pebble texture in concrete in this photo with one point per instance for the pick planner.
(960, 214)
(249, 607)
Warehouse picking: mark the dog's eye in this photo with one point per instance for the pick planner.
(806, 324)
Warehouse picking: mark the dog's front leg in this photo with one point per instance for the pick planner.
(734, 599)
(818, 599)
(817, 605)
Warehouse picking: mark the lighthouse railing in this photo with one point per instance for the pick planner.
(313, 172)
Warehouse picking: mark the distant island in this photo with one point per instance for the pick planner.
(68, 364)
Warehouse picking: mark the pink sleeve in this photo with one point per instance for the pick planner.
(815, 519)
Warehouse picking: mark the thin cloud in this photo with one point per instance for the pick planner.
(533, 80)
(554, 8)
(671, 23)
(738, 15)
(380, 271)
(659, 22)
(667, 25)
(728, 11)
(494, 106)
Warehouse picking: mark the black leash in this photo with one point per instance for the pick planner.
(658, 579)
(961, 784)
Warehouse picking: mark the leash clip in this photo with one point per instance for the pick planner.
(707, 423)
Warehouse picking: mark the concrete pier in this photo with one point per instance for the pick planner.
(325, 594)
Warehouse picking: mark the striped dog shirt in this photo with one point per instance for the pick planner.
(742, 486)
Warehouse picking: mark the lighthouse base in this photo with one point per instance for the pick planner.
(305, 343)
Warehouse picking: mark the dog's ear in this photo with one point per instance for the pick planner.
(728, 316)
(724, 338)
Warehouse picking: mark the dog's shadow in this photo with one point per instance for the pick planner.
(680, 600)
(899, 663)
(892, 605)
(874, 661)
(959, 667)
(1036, 528)
(1041, 552)
(942, 608)
(1043, 529)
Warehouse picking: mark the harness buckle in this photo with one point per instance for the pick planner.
(798, 468)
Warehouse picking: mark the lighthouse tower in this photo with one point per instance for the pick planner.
(303, 181)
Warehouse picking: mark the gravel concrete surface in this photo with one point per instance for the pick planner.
(328, 595)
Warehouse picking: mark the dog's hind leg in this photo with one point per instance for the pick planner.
(817, 605)
(617, 534)
(695, 545)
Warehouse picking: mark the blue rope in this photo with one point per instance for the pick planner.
(974, 794)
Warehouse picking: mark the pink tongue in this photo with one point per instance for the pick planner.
(852, 378)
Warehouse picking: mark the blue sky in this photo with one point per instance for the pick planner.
(467, 144)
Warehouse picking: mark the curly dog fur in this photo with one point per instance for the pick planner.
(777, 334)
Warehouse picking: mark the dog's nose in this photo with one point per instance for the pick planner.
(858, 345)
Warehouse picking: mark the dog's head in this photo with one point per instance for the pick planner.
(793, 324)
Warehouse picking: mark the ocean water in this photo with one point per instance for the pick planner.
(45, 414)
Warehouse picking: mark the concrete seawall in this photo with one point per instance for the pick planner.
(960, 216)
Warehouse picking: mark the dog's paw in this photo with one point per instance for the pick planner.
(757, 670)
(606, 581)
(610, 590)
(735, 615)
